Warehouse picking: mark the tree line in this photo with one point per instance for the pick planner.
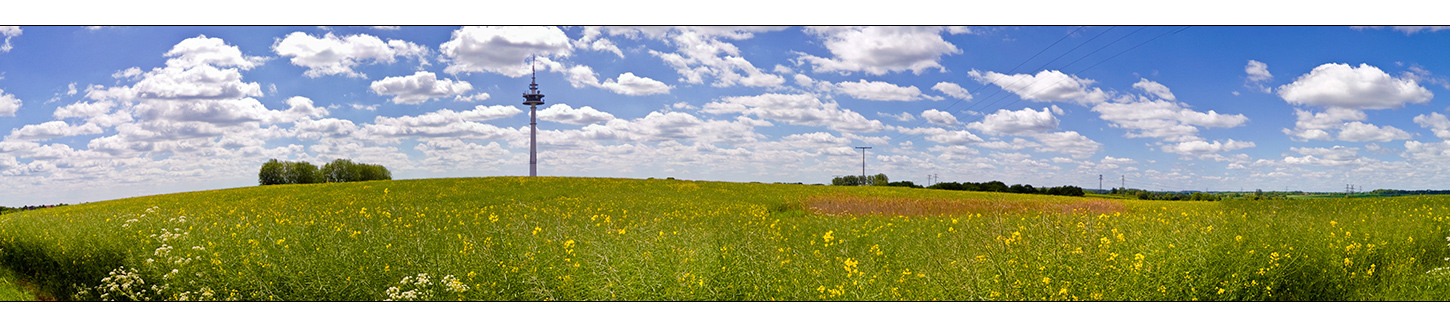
(1175, 196)
(992, 186)
(275, 172)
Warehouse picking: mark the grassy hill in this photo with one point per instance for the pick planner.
(550, 238)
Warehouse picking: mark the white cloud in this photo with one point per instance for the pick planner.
(582, 116)
(443, 123)
(419, 87)
(593, 40)
(1155, 89)
(796, 109)
(628, 84)
(8, 104)
(952, 90)
(1362, 132)
(128, 73)
(1343, 86)
(700, 53)
(332, 55)
(1025, 121)
(1045, 86)
(9, 32)
(1199, 147)
(1068, 142)
(301, 107)
(84, 109)
(954, 137)
(480, 96)
(904, 116)
(939, 117)
(878, 50)
(1161, 118)
(1016, 144)
(881, 91)
(1258, 74)
(1416, 29)
(1435, 122)
(51, 129)
(202, 50)
(322, 128)
(502, 50)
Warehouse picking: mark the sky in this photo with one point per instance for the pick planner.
(96, 113)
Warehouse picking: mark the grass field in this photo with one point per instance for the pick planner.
(511, 239)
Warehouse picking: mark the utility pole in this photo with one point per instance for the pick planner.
(863, 163)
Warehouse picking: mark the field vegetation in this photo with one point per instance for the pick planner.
(550, 238)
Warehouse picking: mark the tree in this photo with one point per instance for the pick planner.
(373, 173)
(877, 180)
(302, 173)
(849, 180)
(340, 170)
(272, 173)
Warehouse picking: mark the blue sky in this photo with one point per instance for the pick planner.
(110, 112)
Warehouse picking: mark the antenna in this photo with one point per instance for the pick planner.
(533, 99)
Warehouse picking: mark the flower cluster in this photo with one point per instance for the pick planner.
(422, 288)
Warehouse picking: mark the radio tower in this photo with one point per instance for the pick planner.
(533, 99)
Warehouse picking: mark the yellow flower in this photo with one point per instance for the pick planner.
(1046, 280)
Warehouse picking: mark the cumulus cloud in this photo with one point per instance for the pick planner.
(8, 104)
(419, 87)
(796, 109)
(443, 123)
(904, 116)
(322, 128)
(1416, 29)
(1161, 118)
(1068, 142)
(1045, 86)
(8, 32)
(881, 91)
(939, 117)
(1343, 86)
(701, 53)
(593, 40)
(1258, 74)
(563, 113)
(51, 129)
(1199, 147)
(1436, 122)
(629, 84)
(952, 90)
(1155, 89)
(1025, 121)
(878, 50)
(332, 55)
(1362, 132)
(502, 50)
(202, 50)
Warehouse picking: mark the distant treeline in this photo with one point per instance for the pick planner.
(1385, 192)
(341, 170)
(992, 186)
(1174, 196)
(997, 186)
(5, 210)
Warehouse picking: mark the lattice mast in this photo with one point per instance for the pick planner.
(533, 99)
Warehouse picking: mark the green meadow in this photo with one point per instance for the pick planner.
(597, 239)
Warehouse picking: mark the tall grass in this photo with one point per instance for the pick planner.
(535, 239)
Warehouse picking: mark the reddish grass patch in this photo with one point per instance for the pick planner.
(892, 206)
